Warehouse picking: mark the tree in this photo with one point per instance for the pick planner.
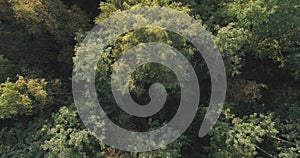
(7, 69)
(240, 137)
(258, 40)
(23, 97)
(38, 35)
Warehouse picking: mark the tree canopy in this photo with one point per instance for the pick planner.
(259, 43)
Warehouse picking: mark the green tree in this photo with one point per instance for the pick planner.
(7, 69)
(240, 137)
(39, 35)
(23, 97)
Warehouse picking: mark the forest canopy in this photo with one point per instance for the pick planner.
(259, 43)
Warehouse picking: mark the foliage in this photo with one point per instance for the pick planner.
(63, 135)
(23, 97)
(238, 137)
(60, 135)
(8, 69)
(25, 140)
(258, 40)
(68, 138)
(288, 143)
(50, 27)
(145, 75)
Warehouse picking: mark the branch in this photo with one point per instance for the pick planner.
(264, 151)
(284, 141)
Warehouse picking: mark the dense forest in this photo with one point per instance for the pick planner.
(259, 43)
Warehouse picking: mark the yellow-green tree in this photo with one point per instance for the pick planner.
(23, 97)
